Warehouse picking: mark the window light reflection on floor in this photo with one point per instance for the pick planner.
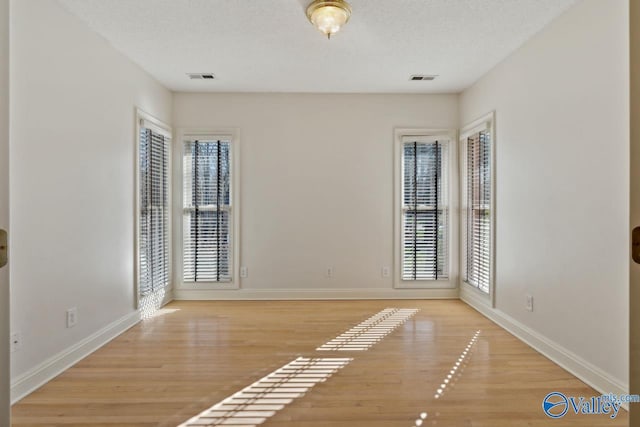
(369, 332)
(452, 375)
(261, 400)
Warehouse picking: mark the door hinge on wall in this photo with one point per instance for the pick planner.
(3, 248)
(635, 245)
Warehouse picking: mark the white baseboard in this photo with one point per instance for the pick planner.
(54, 366)
(585, 371)
(314, 294)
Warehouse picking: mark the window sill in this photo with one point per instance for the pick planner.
(425, 284)
(209, 286)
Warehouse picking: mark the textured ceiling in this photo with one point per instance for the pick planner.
(269, 46)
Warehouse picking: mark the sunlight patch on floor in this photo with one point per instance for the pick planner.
(369, 332)
(261, 400)
(452, 376)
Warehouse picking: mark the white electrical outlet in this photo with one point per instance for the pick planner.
(529, 303)
(385, 271)
(244, 272)
(329, 272)
(72, 317)
(16, 342)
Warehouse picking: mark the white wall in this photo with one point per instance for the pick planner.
(561, 104)
(72, 178)
(316, 186)
(4, 207)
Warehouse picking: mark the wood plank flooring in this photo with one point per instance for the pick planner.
(192, 355)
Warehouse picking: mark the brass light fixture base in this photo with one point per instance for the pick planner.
(329, 15)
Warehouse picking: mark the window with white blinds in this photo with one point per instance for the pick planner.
(207, 211)
(478, 220)
(153, 215)
(425, 210)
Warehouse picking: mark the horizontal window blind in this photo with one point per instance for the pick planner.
(425, 211)
(478, 221)
(153, 239)
(207, 211)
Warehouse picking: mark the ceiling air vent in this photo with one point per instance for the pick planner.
(201, 76)
(422, 77)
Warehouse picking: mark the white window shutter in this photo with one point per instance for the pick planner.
(478, 220)
(154, 212)
(425, 211)
(207, 211)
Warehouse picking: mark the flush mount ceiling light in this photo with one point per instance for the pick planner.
(329, 16)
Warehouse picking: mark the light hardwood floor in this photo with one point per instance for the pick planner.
(193, 355)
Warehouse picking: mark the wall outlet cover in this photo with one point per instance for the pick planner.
(529, 303)
(72, 317)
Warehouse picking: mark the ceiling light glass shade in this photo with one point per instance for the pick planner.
(329, 16)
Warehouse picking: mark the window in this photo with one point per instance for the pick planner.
(207, 211)
(478, 205)
(153, 206)
(424, 216)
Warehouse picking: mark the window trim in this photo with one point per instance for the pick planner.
(146, 120)
(451, 135)
(486, 122)
(233, 135)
